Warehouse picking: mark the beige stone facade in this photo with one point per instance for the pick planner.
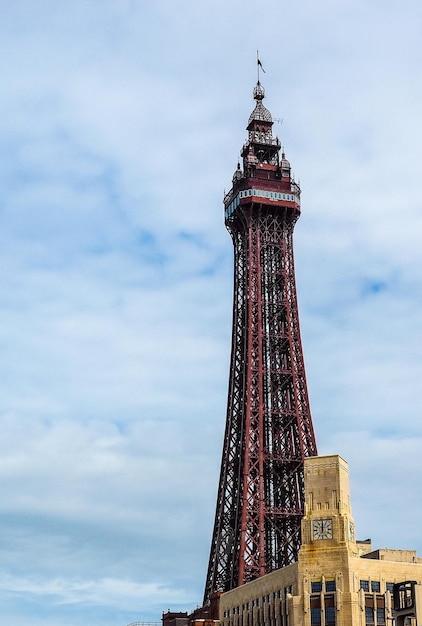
(337, 580)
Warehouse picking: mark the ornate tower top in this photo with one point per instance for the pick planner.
(264, 172)
(261, 147)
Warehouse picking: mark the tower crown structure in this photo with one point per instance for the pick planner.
(261, 162)
(269, 430)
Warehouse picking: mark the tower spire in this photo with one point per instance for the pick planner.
(269, 430)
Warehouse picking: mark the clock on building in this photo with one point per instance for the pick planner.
(322, 529)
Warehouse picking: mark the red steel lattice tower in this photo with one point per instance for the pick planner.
(269, 429)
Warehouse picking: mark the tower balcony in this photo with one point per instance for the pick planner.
(289, 197)
(259, 140)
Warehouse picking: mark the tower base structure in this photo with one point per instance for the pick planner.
(337, 580)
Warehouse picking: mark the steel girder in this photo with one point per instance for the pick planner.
(269, 428)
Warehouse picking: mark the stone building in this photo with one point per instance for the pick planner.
(337, 580)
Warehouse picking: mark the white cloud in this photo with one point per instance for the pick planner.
(104, 592)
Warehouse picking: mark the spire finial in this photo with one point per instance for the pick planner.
(259, 64)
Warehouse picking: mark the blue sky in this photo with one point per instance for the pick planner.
(121, 123)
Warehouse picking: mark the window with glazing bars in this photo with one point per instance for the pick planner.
(330, 616)
(316, 617)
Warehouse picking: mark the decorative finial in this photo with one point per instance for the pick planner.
(259, 92)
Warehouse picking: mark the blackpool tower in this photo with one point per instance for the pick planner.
(269, 432)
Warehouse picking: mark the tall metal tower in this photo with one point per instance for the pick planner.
(269, 428)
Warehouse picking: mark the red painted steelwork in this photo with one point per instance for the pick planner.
(269, 429)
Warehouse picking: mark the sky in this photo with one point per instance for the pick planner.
(121, 123)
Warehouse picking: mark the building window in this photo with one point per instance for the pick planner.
(316, 586)
(369, 615)
(389, 587)
(330, 616)
(316, 617)
(364, 584)
(288, 589)
(380, 615)
(329, 608)
(375, 586)
(330, 585)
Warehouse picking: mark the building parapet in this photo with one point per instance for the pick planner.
(388, 554)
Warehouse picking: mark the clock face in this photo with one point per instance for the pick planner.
(322, 529)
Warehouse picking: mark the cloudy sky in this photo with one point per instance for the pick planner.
(121, 123)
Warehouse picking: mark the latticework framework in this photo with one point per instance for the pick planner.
(269, 428)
